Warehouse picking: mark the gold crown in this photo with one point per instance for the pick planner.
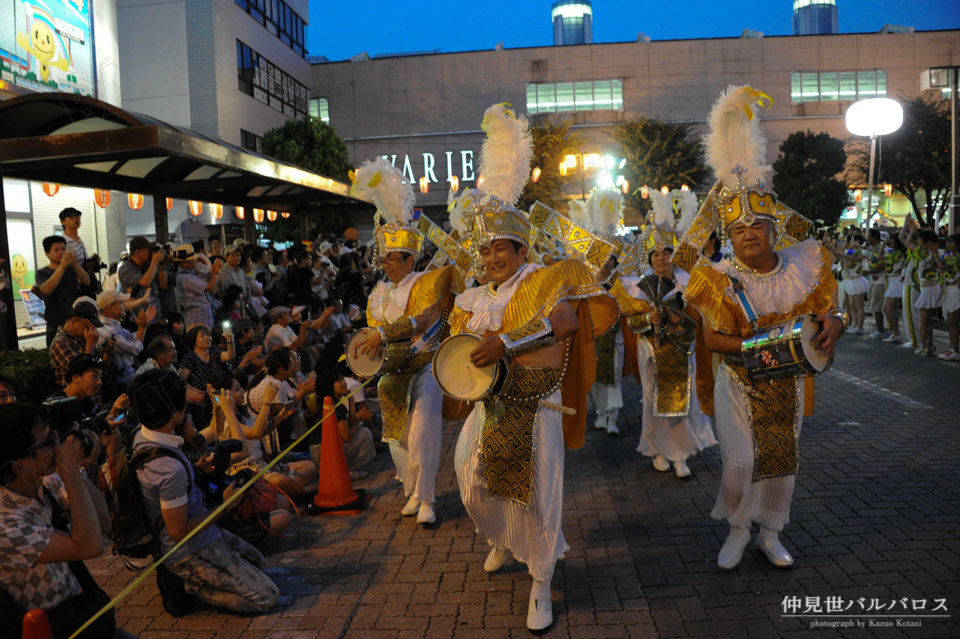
(494, 220)
(658, 238)
(397, 237)
(746, 203)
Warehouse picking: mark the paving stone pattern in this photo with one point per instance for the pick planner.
(875, 516)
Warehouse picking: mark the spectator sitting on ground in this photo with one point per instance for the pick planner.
(85, 375)
(286, 408)
(59, 283)
(128, 346)
(357, 440)
(231, 304)
(204, 359)
(218, 567)
(162, 354)
(177, 332)
(77, 336)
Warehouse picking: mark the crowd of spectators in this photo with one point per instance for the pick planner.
(189, 353)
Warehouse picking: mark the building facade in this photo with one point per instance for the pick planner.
(423, 112)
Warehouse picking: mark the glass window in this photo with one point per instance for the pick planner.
(584, 96)
(601, 94)
(848, 86)
(810, 87)
(617, 87)
(320, 109)
(546, 99)
(564, 96)
(866, 84)
(796, 95)
(829, 87)
(532, 99)
(881, 84)
(242, 4)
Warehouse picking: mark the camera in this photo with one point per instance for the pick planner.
(217, 481)
(62, 413)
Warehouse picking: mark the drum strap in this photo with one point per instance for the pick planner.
(740, 295)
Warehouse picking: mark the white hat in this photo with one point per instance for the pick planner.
(325, 246)
(107, 298)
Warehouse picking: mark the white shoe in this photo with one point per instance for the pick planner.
(426, 514)
(681, 468)
(893, 339)
(613, 431)
(496, 559)
(907, 345)
(539, 614)
(412, 507)
(660, 463)
(876, 335)
(774, 550)
(732, 550)
(949, 356)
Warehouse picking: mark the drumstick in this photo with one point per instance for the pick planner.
(566, 410)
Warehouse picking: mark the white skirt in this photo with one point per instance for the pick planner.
(951, 298)
(894, 287)
(929, 297)
(856, 286)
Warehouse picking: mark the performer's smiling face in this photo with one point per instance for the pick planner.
(397, 265)
(660, 262)
(502, 259)
(753, 242)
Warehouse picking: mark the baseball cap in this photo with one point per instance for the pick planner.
(277, 311)
(231, 248)
(84, 298)
(79, 364)
(69, 212)
(87, 311)
(242, 324)
(107, 298)
(325, 246)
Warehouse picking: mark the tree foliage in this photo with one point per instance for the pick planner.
(805, 176)
(551, 141)
(915, 159)
(659, 153)
(314, 146)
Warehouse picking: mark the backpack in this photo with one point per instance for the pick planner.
(134, 536)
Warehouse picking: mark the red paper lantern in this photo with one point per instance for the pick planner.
(135, 200)
(239, 212)
(644, 192)
(272, 216)
(535, 177)
(50, 188)
(285, 214)
(217, 210)
(625, 187)
(102, 198)
(169, 203)
(258, 216)
(196, 208)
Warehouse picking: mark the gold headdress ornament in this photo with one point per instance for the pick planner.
(736, 151)
(660, 233)
(384, 184)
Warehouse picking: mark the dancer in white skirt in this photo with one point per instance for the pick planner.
(949, 266)
(758, 422)
(924, 276)
(895, 260)
(854, 285)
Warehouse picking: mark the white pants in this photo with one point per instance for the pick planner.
(534, 537)
(608, 400)
(741, 500)
(417, 457)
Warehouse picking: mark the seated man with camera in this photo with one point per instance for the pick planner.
(128, 345)
(215, 565)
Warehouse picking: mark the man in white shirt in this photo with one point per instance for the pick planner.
(128, 345)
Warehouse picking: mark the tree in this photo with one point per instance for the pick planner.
(914, 159)
(551, 141)
(659, 153)
(313, 145)
(804, 176)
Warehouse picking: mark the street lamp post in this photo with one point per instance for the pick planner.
(873, 117)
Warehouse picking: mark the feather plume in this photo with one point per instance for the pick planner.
(580, 214)
(689, 204)
(662, 209)
(506, 153)
(461, 210)
(734, 136)
(605, 208)
(383, 184)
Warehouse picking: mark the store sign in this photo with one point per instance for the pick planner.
(451, 161)
(49, 45)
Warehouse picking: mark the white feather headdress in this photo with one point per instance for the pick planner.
(605, 208)
(689, 204)
(662, 210)
(734, 136)
(580, 214)
(461, 207)
(381, 182)
(506, 153)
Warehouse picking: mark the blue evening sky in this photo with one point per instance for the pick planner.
(339, 30)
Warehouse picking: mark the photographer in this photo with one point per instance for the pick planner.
(84, 379)
(141, 272)
(192, 290)
(218, 567)
(77, 336)
(128, 345)
(59, 283)
(40, 566)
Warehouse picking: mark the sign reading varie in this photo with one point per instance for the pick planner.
(465, 162)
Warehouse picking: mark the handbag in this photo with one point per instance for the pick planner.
(259, 498)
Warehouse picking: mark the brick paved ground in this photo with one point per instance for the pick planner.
(875, 516)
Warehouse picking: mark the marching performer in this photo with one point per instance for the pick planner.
(410, 306)
(509, 457)
(922, 285)
(601, 215)
(674, 428)
(771, 277)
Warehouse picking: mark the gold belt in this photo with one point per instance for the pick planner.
(508, 439)
(772, 407)
(606, 348)
(671, 375)
(394, 392)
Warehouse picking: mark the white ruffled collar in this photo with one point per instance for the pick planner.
(790, 283)
(487, 305)
(396, 302)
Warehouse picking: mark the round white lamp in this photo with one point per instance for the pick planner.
(873, 117)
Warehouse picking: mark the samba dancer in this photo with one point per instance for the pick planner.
(736, 298)
(674, 427)
(410, 306)
(509, 457)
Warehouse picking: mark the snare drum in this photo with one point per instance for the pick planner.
(389, 358)
(456, 375)
(786, 350)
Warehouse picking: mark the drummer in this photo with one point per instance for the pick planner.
(410, 307)
(674, 428)
(757, 288)
(539, 320)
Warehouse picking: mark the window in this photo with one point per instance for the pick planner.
(249, 141)
(279, 19)
(257, 77)
(319, 108)
(845, 86)
(600, 95)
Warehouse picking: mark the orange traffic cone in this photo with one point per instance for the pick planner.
(36, 625)
(335, 493)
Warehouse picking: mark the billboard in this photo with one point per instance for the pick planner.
(47, 45)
